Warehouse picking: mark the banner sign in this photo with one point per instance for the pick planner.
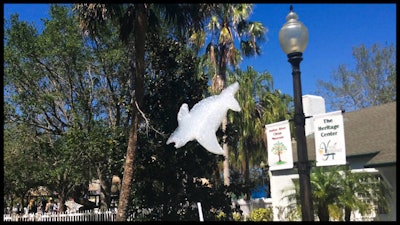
(329, 139)
(280, 154)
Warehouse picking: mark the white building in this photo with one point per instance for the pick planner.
(370, 139)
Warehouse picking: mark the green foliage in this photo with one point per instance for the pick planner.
(370, 82)
(261, 105)
(227, 22)
(261, 214)
(166, 179)
(68, 112)
(56, 88)
(337, 191)
(237, 216)
(20, 151)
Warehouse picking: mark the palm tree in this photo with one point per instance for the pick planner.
(256, 89)
(132, 16)
(275, 107)
(134, 19)
(248, 123)
(356, 187)
(325, 189)
(336, 190)
(229, 21)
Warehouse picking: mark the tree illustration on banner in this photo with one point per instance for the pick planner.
(278, 149)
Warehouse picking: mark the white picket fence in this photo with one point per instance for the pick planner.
(100, 216)
(110, 215)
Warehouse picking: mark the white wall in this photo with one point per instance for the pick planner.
(312, 105)
(280, 180)
(281, 185)
(390, 175)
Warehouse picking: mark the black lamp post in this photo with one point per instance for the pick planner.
(293, 38)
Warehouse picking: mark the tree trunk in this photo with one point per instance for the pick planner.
(128, 172)
(217, 86)
(221, 80)
(105, 190)
(246, 169)
(225, 147)
(138, 89)
(347, 214)
(323, 213)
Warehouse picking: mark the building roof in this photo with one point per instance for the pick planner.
(367, 131)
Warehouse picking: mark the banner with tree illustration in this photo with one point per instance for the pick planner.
(280, 154)
(329, 139)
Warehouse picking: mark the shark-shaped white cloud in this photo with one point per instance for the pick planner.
(203, 120)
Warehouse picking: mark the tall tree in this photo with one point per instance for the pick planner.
(252, 87)
(112, 71)
(261, 105)
(167, 180)
(129, 17)
(21, 149)
(371, 82)
(133, 20)
(227, 22)
(49, 91)
(66, 90)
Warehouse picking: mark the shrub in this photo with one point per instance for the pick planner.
(261, 214)
(237, 216)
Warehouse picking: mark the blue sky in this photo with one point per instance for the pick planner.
(334, 29)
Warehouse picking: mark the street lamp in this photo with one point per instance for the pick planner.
(293, 38)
